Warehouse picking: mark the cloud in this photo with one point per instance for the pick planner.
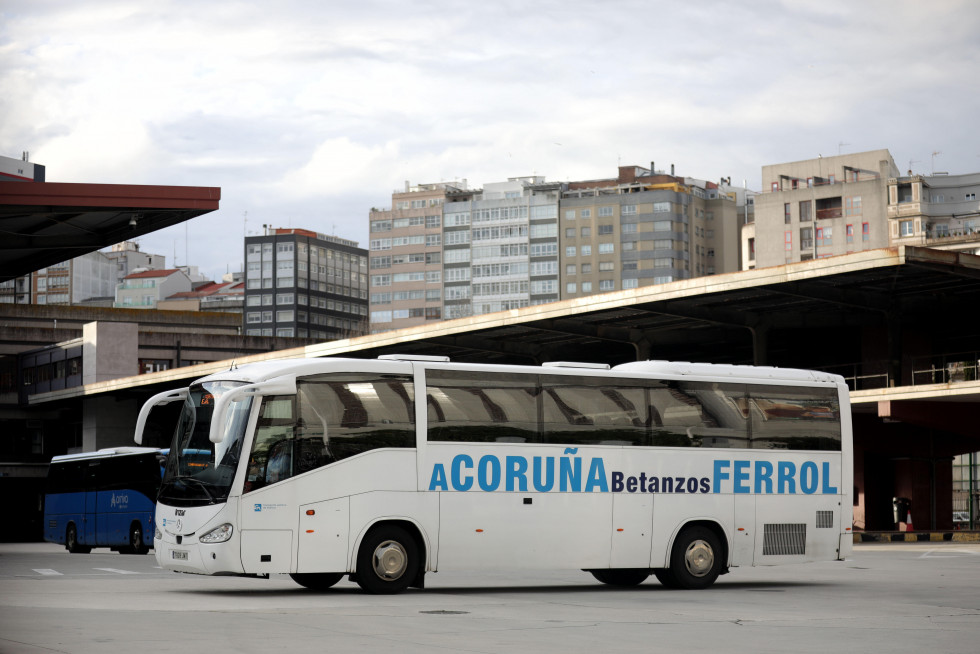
(314, 112)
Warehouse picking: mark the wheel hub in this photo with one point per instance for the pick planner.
(390, 560)
(699, 558)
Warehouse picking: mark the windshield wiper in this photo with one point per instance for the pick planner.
(204, 486)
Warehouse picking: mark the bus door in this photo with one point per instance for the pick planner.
(88, 530)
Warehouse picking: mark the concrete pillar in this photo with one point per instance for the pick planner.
(760, 343)
(110, 350)
(108, 422)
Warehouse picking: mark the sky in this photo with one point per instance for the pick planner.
(308, 114)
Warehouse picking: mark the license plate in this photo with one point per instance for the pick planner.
(179, 555)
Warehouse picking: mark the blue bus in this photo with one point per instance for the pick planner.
(103, 499)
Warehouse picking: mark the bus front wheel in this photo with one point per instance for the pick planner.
(695, 560)
(136, 545)
(71, 542)
(388, 560)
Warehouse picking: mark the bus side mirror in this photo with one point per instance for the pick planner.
(285, 385)
(166, 397)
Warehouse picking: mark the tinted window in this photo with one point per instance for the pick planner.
(589, 410)
(331, 417)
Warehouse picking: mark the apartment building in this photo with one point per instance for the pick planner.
(644, 227)
(300, 283)
(500, 247)
(76, 280)
(819, 208)
(127, 257)
(406, 257)
(143, 289)
(936, 211)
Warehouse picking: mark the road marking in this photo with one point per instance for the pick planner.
(118, 572)
(947, 554)
(47, 572)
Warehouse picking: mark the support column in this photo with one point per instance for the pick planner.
(760, 343)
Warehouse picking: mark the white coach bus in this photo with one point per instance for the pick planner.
(387, 469)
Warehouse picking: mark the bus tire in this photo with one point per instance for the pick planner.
(387, 561)
(136, 545)
(665, 577)
(317, 580)
(71, 541)
(624, 577)
(696, 558)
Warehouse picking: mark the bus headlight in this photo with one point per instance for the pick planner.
(218, 534)
(157, 534)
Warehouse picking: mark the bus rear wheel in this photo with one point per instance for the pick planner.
(71, 542)
(623, 577)
(388, 560)
(317, 580)
(695, 560)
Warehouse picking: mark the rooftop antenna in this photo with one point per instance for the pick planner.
(912, 161)
(841, 145)
(935, 152)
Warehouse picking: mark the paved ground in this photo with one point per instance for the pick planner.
(894, 597)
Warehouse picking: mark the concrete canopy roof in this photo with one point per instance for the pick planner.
(815, 314)
(44, 223)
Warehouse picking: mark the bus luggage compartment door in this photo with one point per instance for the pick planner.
(267, 551)
(324, 529)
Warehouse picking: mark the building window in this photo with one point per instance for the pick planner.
(570, 251)
(605, 212)
(607, 285)
(852, 206)
(788, 240)
(627, 210)
(849, 231)
(605, 229)
(607, 248)
(586, 287)
(569, 232)
(570, 214)
(632, 282)
(751, 249)
(906, 228)
(607, 266)
(971, 196)
(570, 269)
(806, 211)
(571, 287)
(586, 232)
(865, 231)
(585, 213)
(787, 215)
(586, 250)
(661, 207)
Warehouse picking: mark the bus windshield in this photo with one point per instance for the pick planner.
(199, 472)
